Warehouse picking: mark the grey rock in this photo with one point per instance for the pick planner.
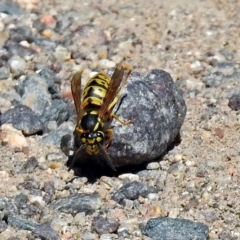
(30, 185)
(54, 137)
(47, 44)
(11, 8)
(57, 111)
(51, 80)
(4, 73)
(24, 208)
(3, 226)
(7, 208)
(23, 33)
(132, 191)
(49, 189)
(78, 203)
(163, 228)
(214, 79)
(157, 108)
(45, 232)
(30, 165)
(14, 48)
(23, 118)
(234, 102)
(34, 92)
(20, 200)
(102, 225)
(20, 223)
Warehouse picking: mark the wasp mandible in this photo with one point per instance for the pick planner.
(94, 110)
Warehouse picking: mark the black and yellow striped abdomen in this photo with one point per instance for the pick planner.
(94, 91)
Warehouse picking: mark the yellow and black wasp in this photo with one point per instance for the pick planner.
(94, 110)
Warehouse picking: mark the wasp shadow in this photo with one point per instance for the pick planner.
(94, 167)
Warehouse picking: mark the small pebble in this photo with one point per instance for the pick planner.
(13, 137)
(89, 236)
(130, 176)
(173, 213)
(152, 196)
(80, 218)
(37, 201)
(106, 64)
(153, 165)
(62, 54)
(178, 157)
(55, 157)
(17, 65)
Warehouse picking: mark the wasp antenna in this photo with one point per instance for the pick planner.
(75, 157)
(107, 158)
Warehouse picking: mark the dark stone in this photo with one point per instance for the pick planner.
(54, 137)
(20, 223)
(45, 43)
(124, 233)
(49, 189)
(34, 92)
(67, 144)
(23, 118)
(24, 208)
(30, 185)
(23, 33)
(214, 79)
(234, 102)
(132, 191)
(163, 228)
(3, 226)
(11, 8)
(4, 73)
(49, 76)
(7, 207)
(78, 203)
(45, 232)
(102, 225)
(157, 108)
(57, 111)
(30, 165)
(20, 200)
(15, 49)
(52, 82)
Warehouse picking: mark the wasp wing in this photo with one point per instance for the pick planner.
(113, 91)
(76, 92)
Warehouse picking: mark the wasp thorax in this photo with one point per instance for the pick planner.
(92, 138)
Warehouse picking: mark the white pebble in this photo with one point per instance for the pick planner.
(130, 176)
(153, 165)
(37, 201)
(178, 157)
(17, 64)
(152, 196)
(61, 53)
(105, 64)
(173, 213)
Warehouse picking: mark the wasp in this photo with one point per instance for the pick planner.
(94, 110)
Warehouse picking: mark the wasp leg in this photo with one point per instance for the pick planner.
(109, 133)
(121, 121)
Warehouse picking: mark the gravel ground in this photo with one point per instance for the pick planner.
(196, 42)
